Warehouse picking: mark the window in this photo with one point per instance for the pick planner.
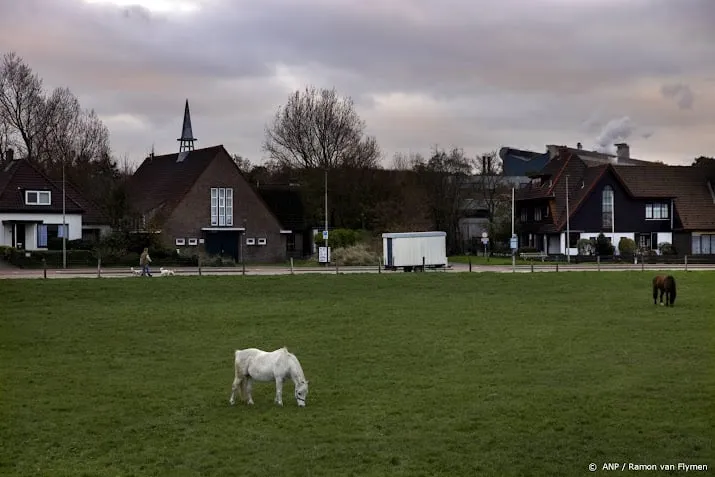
(42, 236)
(524, 215)
(657, 211)
(703, 244)
(221, 207)
(607, 207)
(193, 242)
(537, 214)
(180, 241)
(261, 241)
(250, 241)
(38, 197)
(574, 237)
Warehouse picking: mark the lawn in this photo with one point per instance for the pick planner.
(410, 375)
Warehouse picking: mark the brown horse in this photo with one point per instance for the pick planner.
(666, 285)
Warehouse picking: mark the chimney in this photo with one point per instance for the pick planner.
(9, 155)
(579, 145)
(623, 151)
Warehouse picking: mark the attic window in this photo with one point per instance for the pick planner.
(38, 197)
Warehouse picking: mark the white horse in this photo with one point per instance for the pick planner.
(253, 364)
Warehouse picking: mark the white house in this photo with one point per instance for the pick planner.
(31, 207)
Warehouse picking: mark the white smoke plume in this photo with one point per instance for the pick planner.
(615, 131)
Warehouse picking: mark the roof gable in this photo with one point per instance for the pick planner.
(20, 175)
(165, 180)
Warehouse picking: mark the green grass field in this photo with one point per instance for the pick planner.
(411, 374)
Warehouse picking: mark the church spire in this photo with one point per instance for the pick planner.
(186, 141)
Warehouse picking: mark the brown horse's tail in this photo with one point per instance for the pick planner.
(670, 284)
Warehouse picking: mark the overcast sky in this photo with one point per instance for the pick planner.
(475, 74)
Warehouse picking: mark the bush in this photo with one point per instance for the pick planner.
(626, 246)
(666, 248)
(339, 238)
(355, 255)
(603, 246)
(586, 246)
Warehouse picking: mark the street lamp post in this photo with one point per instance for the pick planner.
(327, 250)
(64, 219)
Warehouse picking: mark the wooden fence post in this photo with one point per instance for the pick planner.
(291, 265)
(532, 267)
(686, 263)
(44, 267)
(99, 265)
(379, 265)
(199, 262)
(469, 257)
(598, 262)
(557, 266)
(642, 265)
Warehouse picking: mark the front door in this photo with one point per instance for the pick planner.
(18, 237)
(223, 244)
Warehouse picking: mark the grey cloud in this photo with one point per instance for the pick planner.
(510, 69)
(680, 93)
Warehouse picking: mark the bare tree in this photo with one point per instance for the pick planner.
(318, 129)
(244, 165)
(406, 162)
(489, 173)
(443, 178)
(22, 105)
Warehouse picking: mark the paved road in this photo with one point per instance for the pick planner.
(273, 270)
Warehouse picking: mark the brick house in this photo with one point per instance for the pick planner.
(198, 199)
(650, 204)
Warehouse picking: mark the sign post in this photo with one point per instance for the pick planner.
(324, 252)
(485, 241)
(514, 244)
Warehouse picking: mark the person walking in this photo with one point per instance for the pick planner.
(144, 261)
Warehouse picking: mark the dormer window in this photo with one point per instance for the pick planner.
(38, 197)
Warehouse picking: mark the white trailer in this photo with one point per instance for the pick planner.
(414, 250)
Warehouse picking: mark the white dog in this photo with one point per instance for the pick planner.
(136, 272)
(165, 272)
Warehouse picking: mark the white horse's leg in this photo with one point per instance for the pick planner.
(235, 387)
(279, 391)
(249, 386)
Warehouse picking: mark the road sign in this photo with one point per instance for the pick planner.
(485, 235)
(514, 243)
(324, 254)
(485, 240)
(325, 235)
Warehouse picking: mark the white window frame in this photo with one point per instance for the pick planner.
(214, 206)
(607, 215)
(193, 242)
(221, 207)
(180, 241)
(657, 211)
(250, 241)
(261, 241)
(40, 194)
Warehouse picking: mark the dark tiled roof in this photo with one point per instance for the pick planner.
(161, 181)
(19, 175)
(286, 203)
(93, 214)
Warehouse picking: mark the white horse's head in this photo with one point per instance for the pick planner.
(301, 393)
